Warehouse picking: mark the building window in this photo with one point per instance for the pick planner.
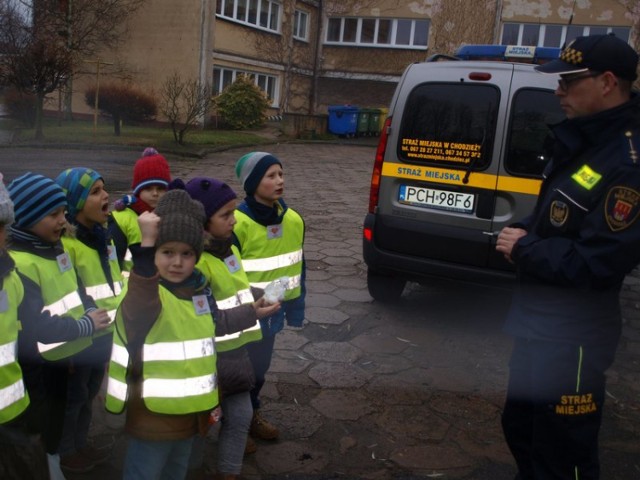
(223, 77)
(300, 23)
(537, 35)
(378, 32)
(264, 14)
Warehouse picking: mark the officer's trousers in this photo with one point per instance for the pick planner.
(552, 415)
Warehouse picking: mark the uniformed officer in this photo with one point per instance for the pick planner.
(572, 255)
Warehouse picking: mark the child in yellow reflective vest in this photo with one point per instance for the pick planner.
(95, 261)
(269, 236)
(163, 361)
(56, 324)
(22, 453)
(151, 177)
(222, 265)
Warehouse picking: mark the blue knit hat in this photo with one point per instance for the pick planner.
(34, 197)
(250, 169)
(76, 183)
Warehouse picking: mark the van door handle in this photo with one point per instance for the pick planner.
(491, 234)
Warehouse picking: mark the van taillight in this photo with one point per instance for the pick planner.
(377, 167)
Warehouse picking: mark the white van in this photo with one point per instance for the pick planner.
(460, 156)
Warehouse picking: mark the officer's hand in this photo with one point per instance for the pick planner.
(507, 239)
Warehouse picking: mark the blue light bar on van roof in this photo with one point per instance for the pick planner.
(508, 53)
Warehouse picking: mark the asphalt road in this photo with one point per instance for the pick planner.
(367, 390)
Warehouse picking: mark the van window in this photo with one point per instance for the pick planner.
(447, 124)
(533, 110)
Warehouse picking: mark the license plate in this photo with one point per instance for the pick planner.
(438, 199)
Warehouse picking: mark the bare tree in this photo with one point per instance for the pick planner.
(87, 27)
(184, 102)
(34, 60)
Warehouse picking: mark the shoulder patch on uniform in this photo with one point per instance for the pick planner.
(586, 177)
(558, 213)
(621, 207)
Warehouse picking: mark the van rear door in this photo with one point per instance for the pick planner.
(442, 163)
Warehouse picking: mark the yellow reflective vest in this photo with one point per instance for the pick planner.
(272, 252)
(14, 399)
(127, 221)
(59, 288)
(230, 287)
(87, 264)
(179, 374)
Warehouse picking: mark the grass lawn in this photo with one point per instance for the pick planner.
(82, 132)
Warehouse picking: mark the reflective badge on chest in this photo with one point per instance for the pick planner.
(558, 213)
(111, 250)
(4, 301)
(201, 304)
(64, 262)
(621, 208)
(274, 231)
(232, 263)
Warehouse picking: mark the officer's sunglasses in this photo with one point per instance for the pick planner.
(565, 82)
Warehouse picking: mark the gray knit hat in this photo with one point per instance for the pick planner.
(181, 220)
(6, 205)
(250, 169)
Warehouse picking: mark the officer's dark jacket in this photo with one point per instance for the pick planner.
(584, 234)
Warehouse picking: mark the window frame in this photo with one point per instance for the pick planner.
(579, 30)
(271, 23)
(260, 79)
(299, 15)
(342, 29)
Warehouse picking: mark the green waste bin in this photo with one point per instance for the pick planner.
(374, 122)
(363, 122)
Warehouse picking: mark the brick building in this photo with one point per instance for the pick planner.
(308, 54)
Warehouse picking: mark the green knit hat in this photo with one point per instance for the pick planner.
(250, 169)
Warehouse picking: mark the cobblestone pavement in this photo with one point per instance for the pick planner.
(367, 390)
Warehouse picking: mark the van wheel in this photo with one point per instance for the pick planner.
(385, 288)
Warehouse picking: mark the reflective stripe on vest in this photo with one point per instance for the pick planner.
(178, 351)
(240, 298)
(293, 283)
(64, 305)
(271, 263)
(10, 395)
(100, 292)
(8, 353)
(14, 399)
(117, 389)
(178, 388)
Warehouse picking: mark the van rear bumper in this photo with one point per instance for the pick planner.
(414, 268)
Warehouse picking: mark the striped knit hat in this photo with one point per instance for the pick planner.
(76, 183)
(151, 169)
(34, 197)
(250, 169)
(6, 206)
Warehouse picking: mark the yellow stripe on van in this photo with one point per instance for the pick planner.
(454, 177)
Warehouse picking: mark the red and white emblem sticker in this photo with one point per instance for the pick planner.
(622, 208)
